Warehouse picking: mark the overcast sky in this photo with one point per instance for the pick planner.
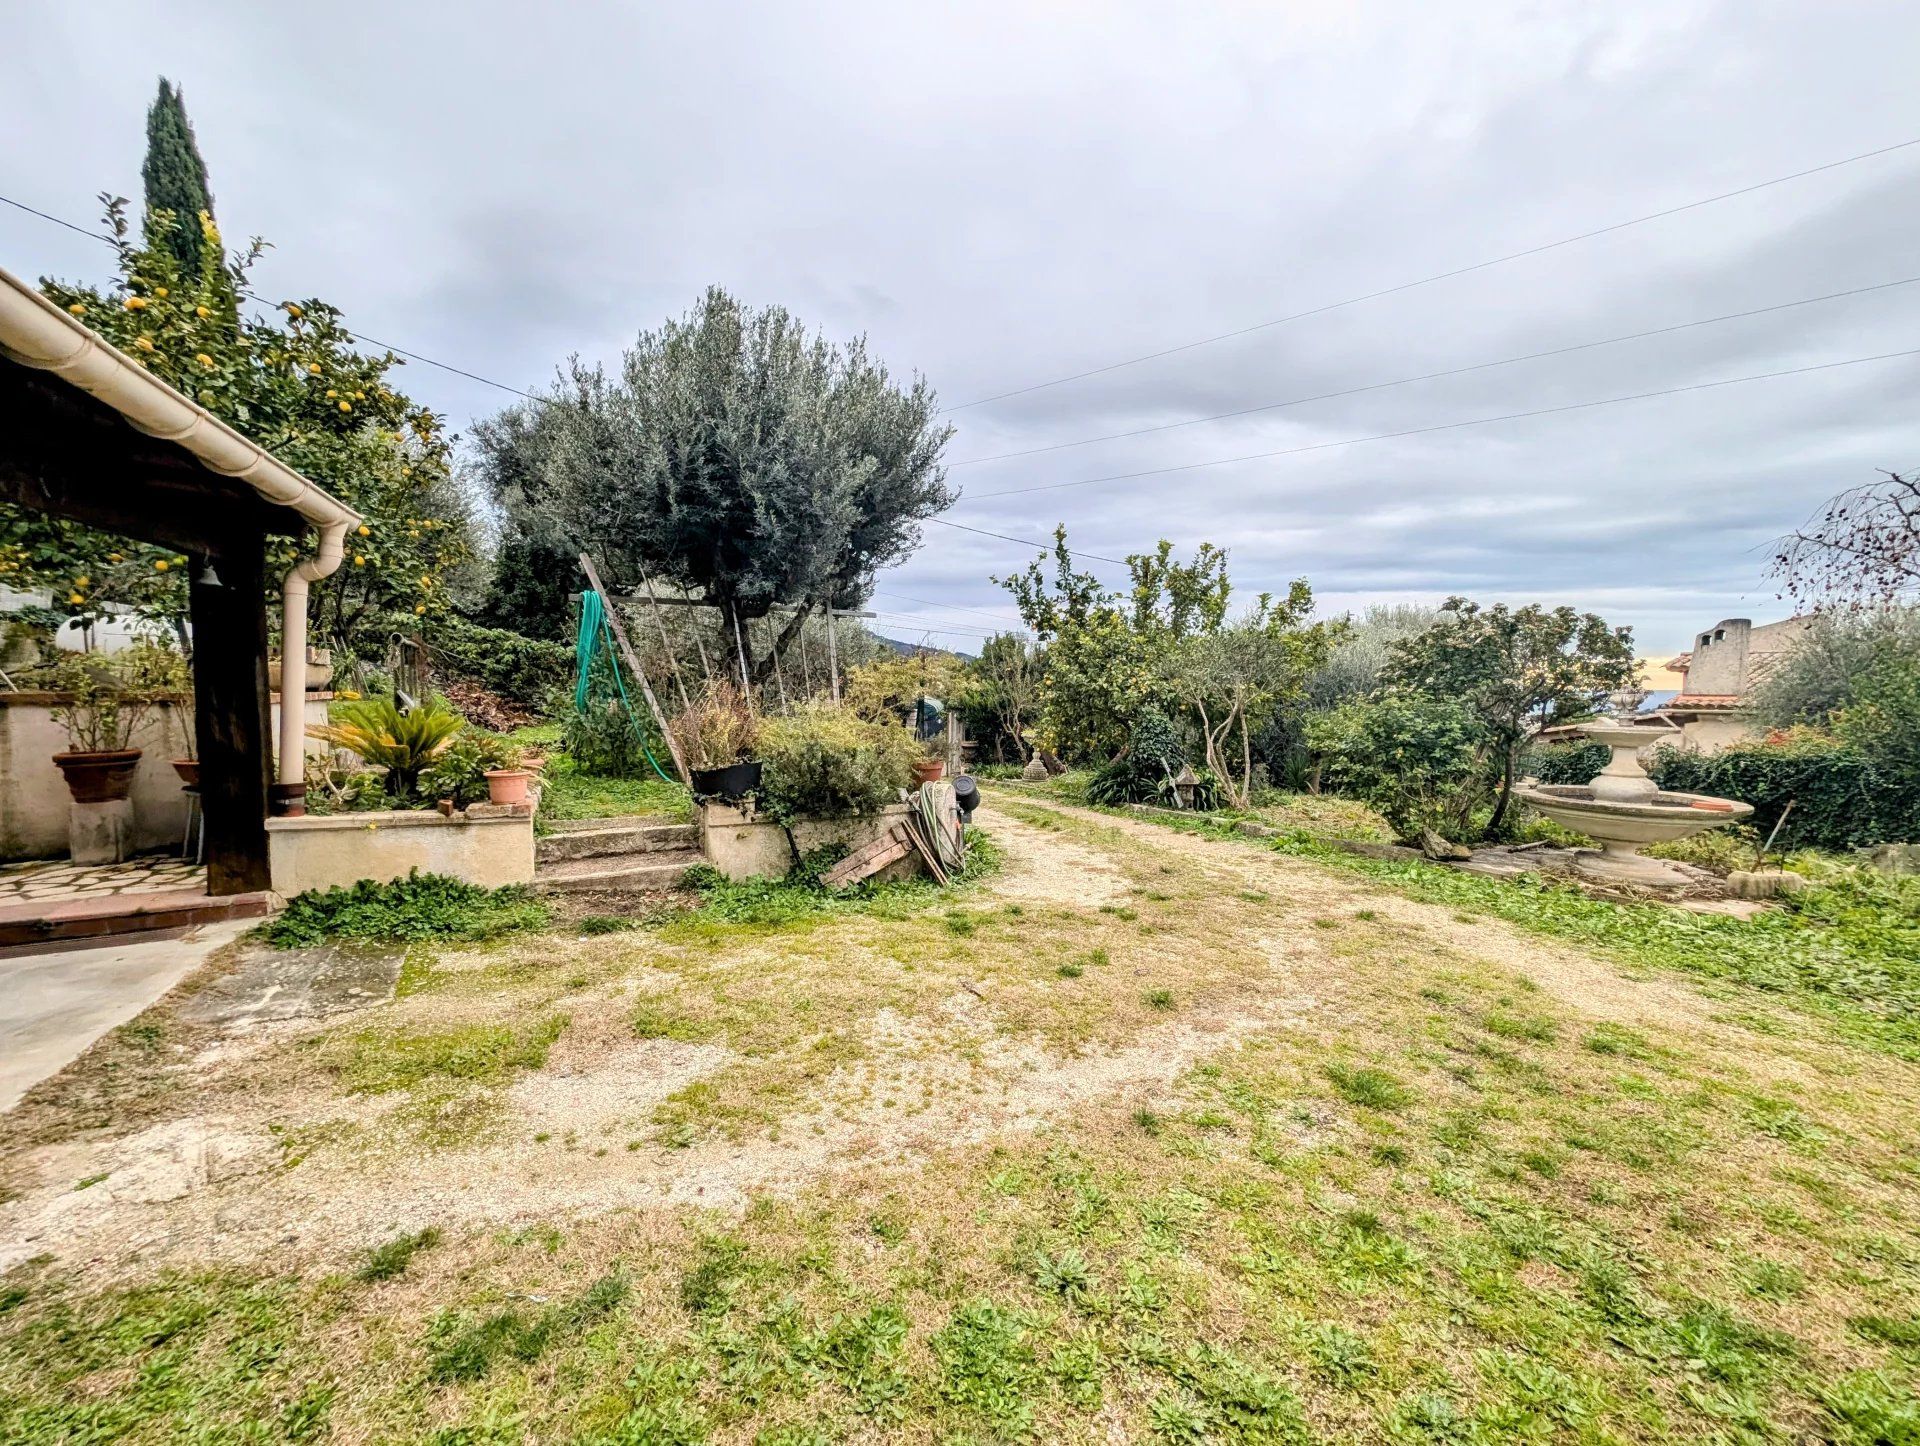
(1002, 194)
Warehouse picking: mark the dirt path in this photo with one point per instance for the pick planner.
(247, 1162)
(1594, 987)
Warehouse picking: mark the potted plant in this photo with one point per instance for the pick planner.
(717, 734)
(181, 720)
(108, 700)
(474, 765)
(929, 765)
(404, 742)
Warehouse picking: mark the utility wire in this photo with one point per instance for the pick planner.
(1448, 372)
(386, 346)
(944, 607)
(1436, 277)
(1449, 426)
(1023, 541)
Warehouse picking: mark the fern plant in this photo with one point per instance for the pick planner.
(381, 735)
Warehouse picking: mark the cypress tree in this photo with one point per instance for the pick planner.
(176, 177)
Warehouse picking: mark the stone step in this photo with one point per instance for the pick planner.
(615, 820)
(65, 922)
(615, 837)
(620, 873)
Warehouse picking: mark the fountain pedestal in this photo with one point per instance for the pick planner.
(1623, 811)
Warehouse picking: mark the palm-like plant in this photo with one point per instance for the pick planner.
(404, 743)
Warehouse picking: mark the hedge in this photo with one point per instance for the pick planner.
(526, 670)
(1840, 799)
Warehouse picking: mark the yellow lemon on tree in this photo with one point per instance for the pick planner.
(160, 565)
(204, 360)
(136, 303)
(359, 561)
(346, 406)
(78, 308)
(365, 531)
(295, 312)
(83, 582)
(75, 598)
(161, 292)
(113, 557)
(202, 311)
(331, 394)
(421, 608)
(143, 343)
(314, 367)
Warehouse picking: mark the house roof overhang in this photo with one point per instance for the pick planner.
(192, 474)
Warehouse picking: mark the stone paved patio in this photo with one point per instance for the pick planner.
(51, 881)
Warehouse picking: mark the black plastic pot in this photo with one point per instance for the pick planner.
(729, 784)
(966, 793)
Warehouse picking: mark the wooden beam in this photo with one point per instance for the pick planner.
(231, 717)
(633, 666)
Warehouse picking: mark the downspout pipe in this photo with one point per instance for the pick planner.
(292, 774)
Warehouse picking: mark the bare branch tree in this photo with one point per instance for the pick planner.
(1862, 548)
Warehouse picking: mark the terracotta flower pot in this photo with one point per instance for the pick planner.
(508, 785)
(926, 770)
(189, 771)
(103, 777)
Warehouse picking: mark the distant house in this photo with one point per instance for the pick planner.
(1718, 676)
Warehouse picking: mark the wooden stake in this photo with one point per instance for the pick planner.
(740, 645)
(833, 655)
(633, 666)
(673, 658)
(778, 677)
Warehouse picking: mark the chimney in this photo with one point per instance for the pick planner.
(1719, 664)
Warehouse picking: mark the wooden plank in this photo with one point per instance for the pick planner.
(231, 717)
(868, 860)
(633, 666)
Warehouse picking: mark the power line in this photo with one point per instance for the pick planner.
(386, 346)
(1448, 372)
(1451, 426)
(1436, 277)
(944, 607)
(1023, 541)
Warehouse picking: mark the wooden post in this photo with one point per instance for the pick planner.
(633, 666)
(806, 663)
(778, 677)
(833, 655)
(740, 645)
(673, 659)
(231, 716)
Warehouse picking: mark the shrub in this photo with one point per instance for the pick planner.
(717, 728)
(379, 733)
(459, 771)
(1841, 799)
(420, 906)
(1422, 761)
(1568, 763)
(112, 695)
(517, 667)
(603, 740)
(828, 762)
(1145, 769)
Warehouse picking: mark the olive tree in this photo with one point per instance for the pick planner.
(747, 461)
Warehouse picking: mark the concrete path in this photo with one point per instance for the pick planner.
(53, 1005)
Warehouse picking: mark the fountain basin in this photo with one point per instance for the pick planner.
(1623, 810)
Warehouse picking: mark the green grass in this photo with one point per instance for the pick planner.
(384, 1262)
(568, 793)
(420, 906)
(1848, 947)
(801, 896)
(376, 1061)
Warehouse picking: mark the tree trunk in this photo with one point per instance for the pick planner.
(1506, 793)
(764, 669)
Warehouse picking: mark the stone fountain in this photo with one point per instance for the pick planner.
(1623, 810)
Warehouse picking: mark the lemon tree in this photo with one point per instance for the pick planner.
(288, 376)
